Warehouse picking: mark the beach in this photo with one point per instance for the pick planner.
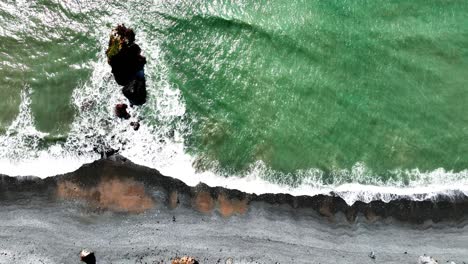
(136, 218)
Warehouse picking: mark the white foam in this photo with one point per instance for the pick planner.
(159, 144)
(43, 166)
(253, 182)
(144, 148)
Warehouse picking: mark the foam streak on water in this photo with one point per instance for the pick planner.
(20, 153)
(21, 156)
(238, 81)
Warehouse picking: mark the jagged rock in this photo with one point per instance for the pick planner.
(121, 111)
(124, 56)
(135, 90)
(87, 257)
(372, 255)
(105, 151)
(135, 125)
(184, 260)
(427, 260)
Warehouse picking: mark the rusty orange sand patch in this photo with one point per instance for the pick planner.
(173, 200)
(113, 194)
(203, 202)
(229, 207)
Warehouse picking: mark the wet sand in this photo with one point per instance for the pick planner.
(126, 213)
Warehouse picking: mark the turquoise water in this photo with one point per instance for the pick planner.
(297, 86)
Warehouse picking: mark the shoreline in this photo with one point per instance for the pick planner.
(254, 184)
(90, 177)
(127, 213)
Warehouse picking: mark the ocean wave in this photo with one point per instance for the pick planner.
(159, 143)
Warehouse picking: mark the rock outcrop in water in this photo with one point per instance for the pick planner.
(121, 111)
(124, 56)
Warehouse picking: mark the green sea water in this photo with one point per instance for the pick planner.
(297, 85)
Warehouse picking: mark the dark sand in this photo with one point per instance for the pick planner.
(125, 213)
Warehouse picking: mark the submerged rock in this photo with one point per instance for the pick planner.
(105, 151)
(121, 111)
(124, 56)
(135, 125)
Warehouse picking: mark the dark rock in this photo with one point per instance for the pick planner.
(87, 257)
(135, 125)
(121, 111)
(105, 151)
(135, 90)
(124, 56)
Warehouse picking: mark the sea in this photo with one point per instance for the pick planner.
(364, 99)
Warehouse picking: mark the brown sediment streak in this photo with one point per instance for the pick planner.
(173, 199)
(371, 216)
(113, 194)
(228, 207)
(203, 202)
(326, 208)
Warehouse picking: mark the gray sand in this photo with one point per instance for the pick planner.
(54, 232)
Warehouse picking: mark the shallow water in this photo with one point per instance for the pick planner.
(309, 93)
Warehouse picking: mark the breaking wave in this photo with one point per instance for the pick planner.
(159, 143)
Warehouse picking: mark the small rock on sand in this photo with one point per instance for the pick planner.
(184, 260)
(87, 257)
(427, 260)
